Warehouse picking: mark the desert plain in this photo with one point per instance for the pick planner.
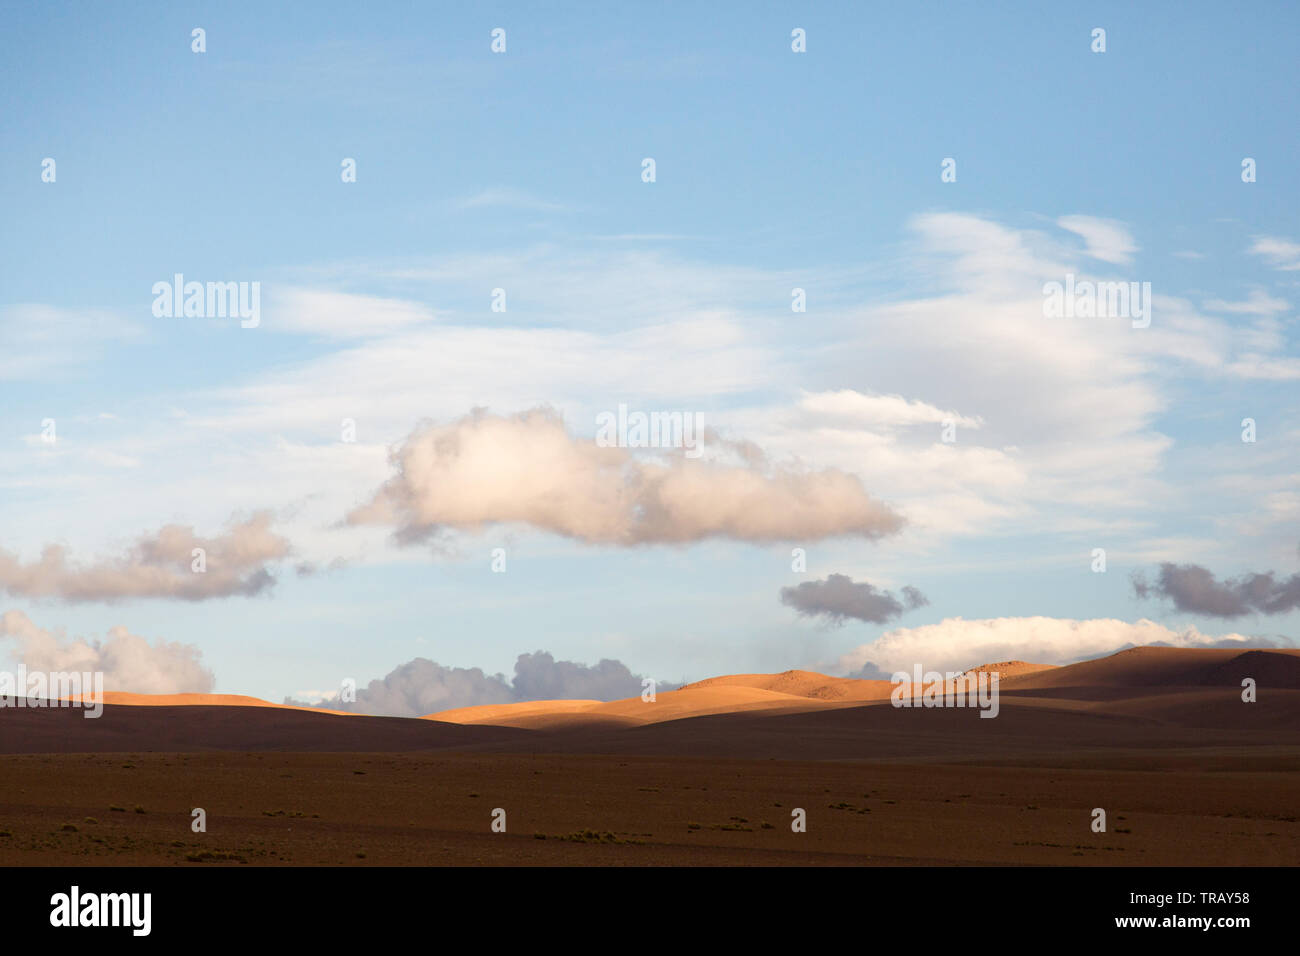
(1187, 772)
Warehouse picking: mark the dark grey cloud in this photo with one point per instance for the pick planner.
(839, 597)
(539, 676)
(422, 686)
(869, 671)
(1195, 589)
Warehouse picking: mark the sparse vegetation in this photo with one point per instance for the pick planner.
(596, 836)
(848, 806)
(212, 856)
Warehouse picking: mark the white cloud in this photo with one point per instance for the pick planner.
(128, 662)
(1106, 239)
(1265, 368)
(1258, 303)
(488, 469)
(955, 644)
(161, 565)
(884, 410)
(511, 198)
(1040, 404)
(1279, 253)
(40, 341)
(340, 315)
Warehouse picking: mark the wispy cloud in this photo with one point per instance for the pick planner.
(505, 197)
(847, 405)
(341, 315)
(1106, 239)
(38, 341)
(1279, 253)
(1258, 303)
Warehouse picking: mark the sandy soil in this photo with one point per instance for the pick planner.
(1187, 772)
(1202, 807)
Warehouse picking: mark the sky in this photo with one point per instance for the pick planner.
(920, 465)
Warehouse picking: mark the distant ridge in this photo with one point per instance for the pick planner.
(1145, 696)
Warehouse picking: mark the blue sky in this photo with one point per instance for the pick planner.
(774, 170)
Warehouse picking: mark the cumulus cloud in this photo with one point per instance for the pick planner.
(422, 686)
(128, 662)
(161, 565)
(486, 469)
(1195, 589)
(539, 676)
(838, 598)
(956, 644)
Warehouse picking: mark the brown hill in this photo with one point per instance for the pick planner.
(1144, 697)
(803, 684)
(193, 728)
(198, 700)
(1171, 667)
(1008, 669)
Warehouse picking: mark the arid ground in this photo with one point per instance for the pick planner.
(1187, 772)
